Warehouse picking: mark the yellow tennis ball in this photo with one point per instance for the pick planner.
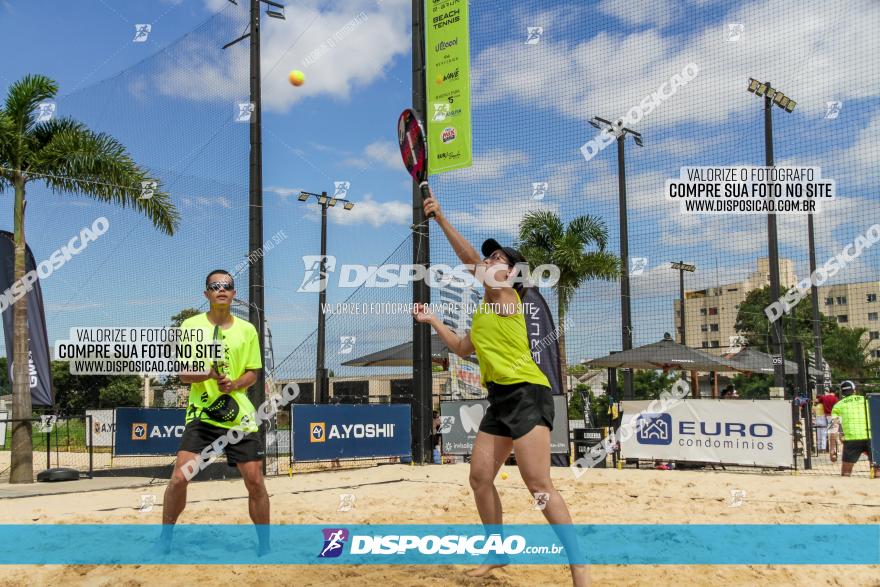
(297, 77)
(503, 476)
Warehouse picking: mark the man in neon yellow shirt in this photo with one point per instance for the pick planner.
(853, 413)
(219, 406)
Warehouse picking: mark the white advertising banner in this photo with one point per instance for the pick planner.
(740, 432)
(103, 427)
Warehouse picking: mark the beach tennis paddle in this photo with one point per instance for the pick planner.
(414, 149)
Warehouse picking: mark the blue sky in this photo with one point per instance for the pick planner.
(531, 105)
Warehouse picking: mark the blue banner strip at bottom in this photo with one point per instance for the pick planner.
(635, 544)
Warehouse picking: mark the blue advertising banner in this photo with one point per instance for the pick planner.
(148, 431)
(873, 400)
(349, 431)
(444, 544)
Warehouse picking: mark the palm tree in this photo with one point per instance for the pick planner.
(69, 158)
(544, 239)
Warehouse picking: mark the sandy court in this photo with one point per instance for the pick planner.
(440, 494)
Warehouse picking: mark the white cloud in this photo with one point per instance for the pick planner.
(377, 214)
(562, 178)
(366, 210)
(551, 19)
(283, 192)
(681, 149)
(208, 202)
(385, 153)
(328, 148)
(859, 163)
(499, 216)
(811, 45)
(70, 307)
(360, 54)
(644, 193)
(645, 12)
(492, 165)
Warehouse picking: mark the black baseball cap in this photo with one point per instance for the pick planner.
(491, 245)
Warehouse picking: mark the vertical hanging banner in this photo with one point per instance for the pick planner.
(543, 338)
(39, 373)
(448, 81)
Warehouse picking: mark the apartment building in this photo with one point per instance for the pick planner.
(710, 314)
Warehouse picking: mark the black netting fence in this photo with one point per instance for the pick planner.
(58, 441)
(177, 113)
(533, 102)
(680, 80)
(183, 130)
(540, 75)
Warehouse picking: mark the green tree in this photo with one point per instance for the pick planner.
(121, 393)
(74, 394)
(577, 370)
(172, 382)
(545, 239)
(845, 349)
(599, 408)
(67, 157)
(576, 402)
(5, 385)
(753, 386)
(178, 318)
(648, 383)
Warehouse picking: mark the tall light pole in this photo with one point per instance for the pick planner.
(773, 96)
(255, 208)
(682, 267)
(621, 132)
(322, 381)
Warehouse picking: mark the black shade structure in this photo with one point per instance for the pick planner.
(665, 354)
(400, 355)
(750, 360)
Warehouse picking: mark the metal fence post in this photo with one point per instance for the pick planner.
(91, 445)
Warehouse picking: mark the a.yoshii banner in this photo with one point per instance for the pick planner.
(448, 81)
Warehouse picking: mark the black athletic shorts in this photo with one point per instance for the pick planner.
(197, 435)
(853, 449)
(515, 409)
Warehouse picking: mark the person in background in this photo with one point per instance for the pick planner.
(853, 413)
(828, 399)
(729, 392)
(820, 423)
(436, 428)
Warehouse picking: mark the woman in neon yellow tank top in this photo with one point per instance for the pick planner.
(520, 413)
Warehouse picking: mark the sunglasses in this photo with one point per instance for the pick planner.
(218, 285)
(496, 256)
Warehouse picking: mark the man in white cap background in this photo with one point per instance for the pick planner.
(852, 410)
